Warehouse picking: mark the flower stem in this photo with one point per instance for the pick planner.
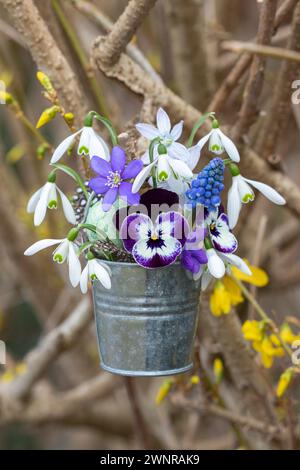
(151, 157)
(106, 122)
(197, 126)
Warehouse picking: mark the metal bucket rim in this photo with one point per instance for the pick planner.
(120, 263)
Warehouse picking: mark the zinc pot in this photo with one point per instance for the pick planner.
(146, 323)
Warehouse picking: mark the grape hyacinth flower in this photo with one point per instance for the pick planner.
(46, 198)
(90, 143)
(241, 193)
(154, 245)
(95, 270)
(66, 251)
(207, 187)
(110, 181)
(219, 143)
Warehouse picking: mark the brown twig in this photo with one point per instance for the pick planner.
(141, 429)
(268, 51)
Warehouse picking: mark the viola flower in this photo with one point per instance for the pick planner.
(220, 235)
(193, 256)
(154, 245)
(110, 181)
(90, 143)
(219, 143)
(207, 187)
(46, 198)
(241, 193)
(167, 136)
(66, 251)
(95, 270)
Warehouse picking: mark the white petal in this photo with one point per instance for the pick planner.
(148, 131)
(142, 176)
(84, 142)
(42, 205)
(236, 261)
(203, 140)
(61, 253)
(33, 201)
(84, 279)
(163, 122)
(194, 153)
(98, 146)
(177, 130)
(67, 208)
(229, 147)
(163, 169)
(180, 168)
(145, 158)
(102, 274)
(63, 147)
(215, 265)
(74, 266)
(245, 191)
(176, 185)
(215, 145)
(233, 203)
(268, 192)
(178, 151)
(52, 195)
(40, 245)
(206, 280)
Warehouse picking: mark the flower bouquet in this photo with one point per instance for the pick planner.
(152, 234)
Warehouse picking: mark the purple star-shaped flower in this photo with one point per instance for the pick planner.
(154, 245)
(111, 178)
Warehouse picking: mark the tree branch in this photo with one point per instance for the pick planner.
(267, 51)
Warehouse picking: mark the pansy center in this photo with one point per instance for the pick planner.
(114, 179)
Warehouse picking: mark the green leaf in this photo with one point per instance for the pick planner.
(70, 172)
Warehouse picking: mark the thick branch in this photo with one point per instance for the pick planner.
(124, 29)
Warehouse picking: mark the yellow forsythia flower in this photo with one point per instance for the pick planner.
(47, 116)
(6, 97)
(69, 117)
(220, 301)
(195, 379)
(233, 289)
(284, 381)
(253, 330)
(218, 370)
(45, 81)
(163, 391)
(258, 277)
(287, 335)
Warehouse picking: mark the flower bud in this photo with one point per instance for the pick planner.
(47, 116)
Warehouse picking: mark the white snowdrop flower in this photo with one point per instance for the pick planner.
(46, 198)
(219, 143)
(241, 192)
(90, 143)
(66, 251)
(95, 270)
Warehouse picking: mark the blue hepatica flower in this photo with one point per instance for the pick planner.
(110, 181)
(207, 187)
(221, 237)
(154, 245)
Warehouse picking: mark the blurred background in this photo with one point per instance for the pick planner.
(193, 46)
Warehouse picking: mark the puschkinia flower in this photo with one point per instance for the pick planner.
(219, 143)
(167, 136)
(207, 187)
(154, 245)
(95, 270)
(90, 143)
(220, 235)
(66, 251)
(46, 198)
(241, 193)
(110, 181)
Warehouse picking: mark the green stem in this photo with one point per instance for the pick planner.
(197, 126)
(151, 157)
(90, 227)
(107, 123)
(80, 53)
(26, 123)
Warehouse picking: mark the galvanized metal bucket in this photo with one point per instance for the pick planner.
(146, 323)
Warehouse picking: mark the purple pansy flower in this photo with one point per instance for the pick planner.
(111, 178)
(154, 245)
(221, 237)
(193, 255)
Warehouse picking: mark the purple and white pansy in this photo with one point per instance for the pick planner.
(221, 237)
(110, 181)
(154, 245)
